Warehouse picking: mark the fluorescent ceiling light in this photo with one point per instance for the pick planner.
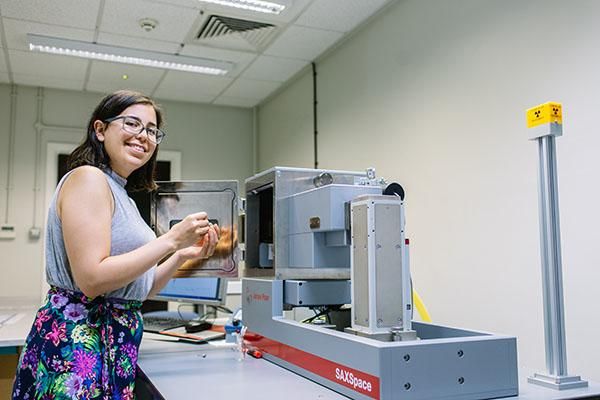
(123, 55)
(253, 5)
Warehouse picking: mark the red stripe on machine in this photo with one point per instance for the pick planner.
(351, 378)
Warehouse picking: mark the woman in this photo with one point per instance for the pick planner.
(101, 260)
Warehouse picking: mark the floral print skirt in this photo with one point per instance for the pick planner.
(80, 348)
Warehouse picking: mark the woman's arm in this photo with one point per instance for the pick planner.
(165, 270)
(85, 209)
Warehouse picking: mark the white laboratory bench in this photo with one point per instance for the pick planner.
(16, 318)
(178, 369)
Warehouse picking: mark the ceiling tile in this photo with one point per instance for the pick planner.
(48, 81)
(17, 30)
(122, 17)
(108, 77)
(246, 88)
(68, 13)
(236, 102)
(63, 67)
(4, 77)
(138, 43)
(269, 68)
(302, 43)
(239, 58)
(216, 54)
(170, 94)
(110, 87)
(341, 16)
(292, 10)
(187, 82)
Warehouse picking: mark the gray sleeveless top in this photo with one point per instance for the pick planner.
(128, 232)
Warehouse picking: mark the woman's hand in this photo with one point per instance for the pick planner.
(189, 230)
(204, 248)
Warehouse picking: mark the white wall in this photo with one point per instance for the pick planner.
(286, 134)
(215, 143)
(433, 94)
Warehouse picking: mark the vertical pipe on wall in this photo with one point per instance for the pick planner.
(11, 145)
(315, 102)
(254, 139)
(38, 153)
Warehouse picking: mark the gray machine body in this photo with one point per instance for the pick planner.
(298, 230)
(323, 239)
(316, 292)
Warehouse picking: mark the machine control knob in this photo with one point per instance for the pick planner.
(394, 189)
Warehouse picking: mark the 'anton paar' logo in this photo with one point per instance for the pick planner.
(260, 297)
(257, 297)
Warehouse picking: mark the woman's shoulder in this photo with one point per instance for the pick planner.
(86, 178)
(85, 184)
(87, 170)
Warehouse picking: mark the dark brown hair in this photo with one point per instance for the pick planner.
(92, 152)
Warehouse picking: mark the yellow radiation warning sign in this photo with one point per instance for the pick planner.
(544, 114)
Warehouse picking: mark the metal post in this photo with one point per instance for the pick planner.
(556, 362)
(556, 376)
(407, 303)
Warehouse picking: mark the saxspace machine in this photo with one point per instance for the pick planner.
(327, 239)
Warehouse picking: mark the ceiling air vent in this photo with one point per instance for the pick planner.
(233, 31)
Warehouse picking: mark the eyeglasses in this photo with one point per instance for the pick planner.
(134, 126)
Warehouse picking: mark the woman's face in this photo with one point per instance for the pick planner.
(127, 151)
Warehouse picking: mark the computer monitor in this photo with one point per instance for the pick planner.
(196, 290)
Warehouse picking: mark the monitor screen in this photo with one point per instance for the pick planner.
(197, 290)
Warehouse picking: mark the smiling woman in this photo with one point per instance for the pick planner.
(101, 259)
(130, 151)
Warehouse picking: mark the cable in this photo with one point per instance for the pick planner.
(223, 309)
(212, 313)
(322, 312)
(309, 320)
(179, 312)
(421, 307)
